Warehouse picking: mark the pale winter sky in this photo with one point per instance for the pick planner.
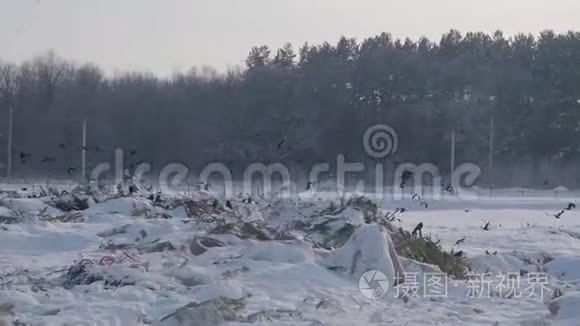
(164, 36)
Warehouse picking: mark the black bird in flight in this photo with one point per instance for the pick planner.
(281, 142)
(71, 170)
(487, 226)
(557, 215)
(571, 206)
(459, 241)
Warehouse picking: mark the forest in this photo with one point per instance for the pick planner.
(306, 104)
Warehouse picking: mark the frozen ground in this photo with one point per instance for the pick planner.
(289, 280)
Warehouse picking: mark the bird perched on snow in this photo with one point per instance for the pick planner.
(424, 204)
(215, 204)
(248, 200)
(418, 230)
(458, 254)
(308, 185)
(229, 204)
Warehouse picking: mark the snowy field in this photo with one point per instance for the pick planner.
(133, 261)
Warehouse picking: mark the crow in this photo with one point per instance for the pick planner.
(424, 204)
(449, 188)
(71, 170)
(571, 206)
(24, 155)
(557, 215)
(308, 185)
(487, 226)
(546, 182)
(495, 253)
(406, 175)
(458, 254)
(401, 210)
(280, 143)
(458, 242)
(133, 189)
(487, 253)
(133, 152)
(229, 204)
(467, 210)
(416, 196)
(418, 230)
(215, 204)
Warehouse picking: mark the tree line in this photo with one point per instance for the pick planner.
(301, 106)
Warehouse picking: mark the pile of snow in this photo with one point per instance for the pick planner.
(369, 248)
(271, 262)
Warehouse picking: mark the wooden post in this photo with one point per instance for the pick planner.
(84, 153)
(9, 149)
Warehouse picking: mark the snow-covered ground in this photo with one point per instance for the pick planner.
(290, 280)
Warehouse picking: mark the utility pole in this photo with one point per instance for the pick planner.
(453, 158)
(84, 153)
(9, 149)
(490, 163)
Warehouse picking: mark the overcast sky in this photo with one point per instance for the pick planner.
(164, 36)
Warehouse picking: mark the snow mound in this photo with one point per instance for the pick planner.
(564, 310)
(30, 206)
(131, 206)
(8, 216)
(281, 252)
(369, 248)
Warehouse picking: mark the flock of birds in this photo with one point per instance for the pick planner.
(417, 231)
(26, 157)
(391, 217)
